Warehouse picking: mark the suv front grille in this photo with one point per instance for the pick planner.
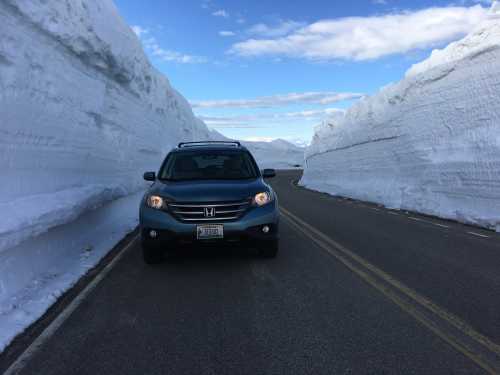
(207, 212)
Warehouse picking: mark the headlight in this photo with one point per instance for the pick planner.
(261, 199)
(155, 201)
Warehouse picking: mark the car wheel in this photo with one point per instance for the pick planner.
(269, 249)
(151, 255)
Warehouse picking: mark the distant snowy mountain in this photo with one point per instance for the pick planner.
(277, 154)
(299, 142)
(430, 143)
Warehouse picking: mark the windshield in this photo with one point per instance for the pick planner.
(209, 165)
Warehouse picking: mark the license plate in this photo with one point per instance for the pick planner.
(204, 232)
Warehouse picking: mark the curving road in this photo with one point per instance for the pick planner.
(356, 289)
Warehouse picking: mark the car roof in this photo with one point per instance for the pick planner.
(209, 146)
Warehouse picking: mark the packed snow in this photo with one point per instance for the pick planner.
(39, 270)
(83, 112)
(430, 143)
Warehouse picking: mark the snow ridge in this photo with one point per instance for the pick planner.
(483, 39)
(429, 143)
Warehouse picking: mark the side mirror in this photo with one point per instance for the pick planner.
(268, 173)
(150, 176)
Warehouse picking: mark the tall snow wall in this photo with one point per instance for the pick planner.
(430, 143)
(82, 113)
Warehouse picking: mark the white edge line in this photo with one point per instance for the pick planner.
(479, 234)
(49, 331)
(441, 225)
(409, 217)
(414, 218)
(429, 222)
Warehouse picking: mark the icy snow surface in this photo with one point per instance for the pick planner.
(430, 143)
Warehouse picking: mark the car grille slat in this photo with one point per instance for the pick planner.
(188, 212)
(217, 212)
(212, 219)
(201, 205)
(231, 211)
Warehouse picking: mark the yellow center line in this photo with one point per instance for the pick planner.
(477, 347)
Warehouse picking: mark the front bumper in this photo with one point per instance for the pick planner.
(171, 231)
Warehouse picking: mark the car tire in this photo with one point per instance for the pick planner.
(269, 249)
(151, 255)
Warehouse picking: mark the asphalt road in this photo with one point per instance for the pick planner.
(309, 311)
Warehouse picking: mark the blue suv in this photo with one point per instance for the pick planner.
(208, 192)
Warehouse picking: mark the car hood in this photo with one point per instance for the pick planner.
(208, 190)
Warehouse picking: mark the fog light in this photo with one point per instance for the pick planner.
(153, 234)
(265, 229)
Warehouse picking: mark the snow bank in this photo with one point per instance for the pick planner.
(35, 273)
(82, 115)
(430, 143)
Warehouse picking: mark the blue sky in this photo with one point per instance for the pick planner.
(269, 69)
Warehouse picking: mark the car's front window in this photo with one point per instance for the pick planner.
(208, 165)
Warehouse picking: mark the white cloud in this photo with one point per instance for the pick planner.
(152, 46)
(283, 27)
(220, 13)
(169, 55)
(227, 33)
(278, 100)
(266, 117)
(139, 31)
(364, 38)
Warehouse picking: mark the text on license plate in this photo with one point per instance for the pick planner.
(209, 231)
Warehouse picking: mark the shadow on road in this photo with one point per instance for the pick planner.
(209, 256)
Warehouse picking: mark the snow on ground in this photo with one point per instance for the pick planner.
(430, 143)
(82, 115)
(37, 272)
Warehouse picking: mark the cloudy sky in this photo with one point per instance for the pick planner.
(269, 69)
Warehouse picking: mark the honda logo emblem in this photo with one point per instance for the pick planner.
(209, 211)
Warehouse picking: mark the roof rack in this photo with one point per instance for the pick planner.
(208, 143)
